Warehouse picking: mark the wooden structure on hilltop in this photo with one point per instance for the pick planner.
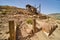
(31, 8)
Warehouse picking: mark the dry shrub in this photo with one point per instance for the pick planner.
(29, 21)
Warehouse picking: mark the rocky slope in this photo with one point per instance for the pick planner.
(24, 24)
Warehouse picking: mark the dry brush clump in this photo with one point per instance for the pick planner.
(29, 21)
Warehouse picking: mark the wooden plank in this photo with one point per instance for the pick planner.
(12, 30)
(34, 25)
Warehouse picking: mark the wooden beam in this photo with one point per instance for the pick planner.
(34, 25)
(12, 30)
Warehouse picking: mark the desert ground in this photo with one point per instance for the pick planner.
(4, 29)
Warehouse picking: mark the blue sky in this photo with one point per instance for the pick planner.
(47, 6)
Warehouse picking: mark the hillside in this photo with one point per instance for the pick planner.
(56, 15)
(24, 22)
(8, 9)
(12, 10)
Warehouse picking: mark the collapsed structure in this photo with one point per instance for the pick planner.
(31, 8)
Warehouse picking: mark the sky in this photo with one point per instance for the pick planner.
(47, 6)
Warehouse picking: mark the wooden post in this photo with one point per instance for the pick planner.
(12, 30)
(34, 25)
